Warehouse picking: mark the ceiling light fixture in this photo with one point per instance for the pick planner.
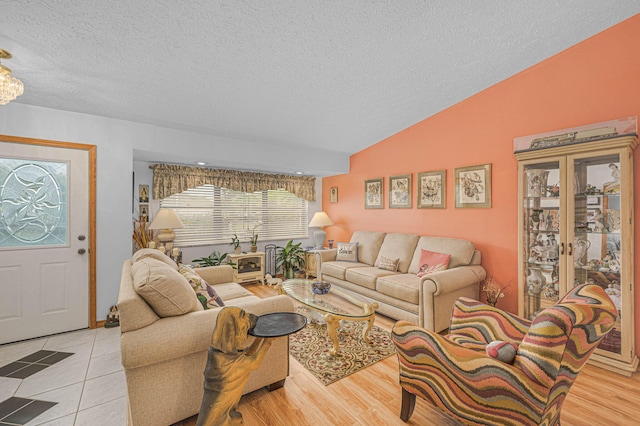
(10, 87)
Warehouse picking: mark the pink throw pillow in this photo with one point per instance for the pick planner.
(431, 262)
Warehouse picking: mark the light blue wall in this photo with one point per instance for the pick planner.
(120, 142)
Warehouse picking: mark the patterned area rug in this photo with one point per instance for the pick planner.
(310, 347)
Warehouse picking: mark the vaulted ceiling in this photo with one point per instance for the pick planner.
(336, 74)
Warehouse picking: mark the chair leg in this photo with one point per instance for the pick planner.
(408, 404)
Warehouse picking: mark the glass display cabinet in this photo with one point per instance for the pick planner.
(575, 226)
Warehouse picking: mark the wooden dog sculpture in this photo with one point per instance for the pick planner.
(228, 367)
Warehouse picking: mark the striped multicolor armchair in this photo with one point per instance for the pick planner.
(454, 372)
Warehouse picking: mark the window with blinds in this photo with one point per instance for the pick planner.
(211, 215)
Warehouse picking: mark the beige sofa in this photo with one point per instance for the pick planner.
(425, 301)
(164, 357)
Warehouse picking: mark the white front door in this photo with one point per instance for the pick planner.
(44, 240)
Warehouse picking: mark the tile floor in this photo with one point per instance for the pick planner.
(88, 387)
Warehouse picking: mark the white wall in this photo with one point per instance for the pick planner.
(119, 143)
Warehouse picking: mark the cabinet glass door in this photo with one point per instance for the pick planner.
(542, 235)
(597, 229)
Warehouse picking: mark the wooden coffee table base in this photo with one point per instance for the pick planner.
(333, 324)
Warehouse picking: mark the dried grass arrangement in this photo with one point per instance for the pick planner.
(493, 290)
(141, 234)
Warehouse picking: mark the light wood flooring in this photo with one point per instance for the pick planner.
(372, 397)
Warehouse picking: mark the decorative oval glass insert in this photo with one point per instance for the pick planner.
(31, 203)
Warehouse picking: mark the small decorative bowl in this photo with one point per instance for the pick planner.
(320, 287)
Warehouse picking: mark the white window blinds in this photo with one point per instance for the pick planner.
(211, 215)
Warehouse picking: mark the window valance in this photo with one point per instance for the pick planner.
(169, 179)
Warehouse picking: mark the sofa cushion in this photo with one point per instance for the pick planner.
(388, 264)
(431, 261)
(163, 288)
(398, 246)
(369, 244)
(347, 252)
(366, 276)
(206, 294)
(231, 291)
(147, 253)
(402, 287)
(461, 251)
(338, 269)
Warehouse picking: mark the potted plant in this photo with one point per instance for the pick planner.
(254, 243)
(254, 238)
(235, 242)
(215, 259)
(290, 257)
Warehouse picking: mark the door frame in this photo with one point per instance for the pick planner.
(92, 150)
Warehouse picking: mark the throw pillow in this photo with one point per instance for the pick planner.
(502, 351)
(146, 253)
(163, 288)
(431, 261)
(388, 264)
(347, 252)
(205, 293)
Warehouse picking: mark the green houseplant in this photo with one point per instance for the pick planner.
(215, 259)
(235, 242)
(290, 257)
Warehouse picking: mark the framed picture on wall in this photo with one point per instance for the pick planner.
(432, 188)
(373, 195)
(400, 192)
(473, 186)
(333, 194)
(144, 212)
(143, 193)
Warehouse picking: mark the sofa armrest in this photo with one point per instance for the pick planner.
(439, 291)
(216, 274)
(175, 337)
(324, 256)
(451, 280)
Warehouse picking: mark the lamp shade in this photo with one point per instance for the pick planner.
(319, 220)
(166, 219)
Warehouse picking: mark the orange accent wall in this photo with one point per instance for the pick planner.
(593, 81)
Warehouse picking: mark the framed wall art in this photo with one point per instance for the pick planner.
(143, 193)
(432, 188)
(373, 195)
(473, 186)
(333, 194)
(400, 192)
(144, 212)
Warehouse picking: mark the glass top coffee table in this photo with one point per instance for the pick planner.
(336, 305)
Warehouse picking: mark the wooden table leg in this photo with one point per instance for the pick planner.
(332, 330)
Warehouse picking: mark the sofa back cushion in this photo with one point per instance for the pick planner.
(163, 288)
(461, 251)
(146, 253)
(400, 246)
(369, 244)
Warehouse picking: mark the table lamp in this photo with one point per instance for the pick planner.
(320, 220)
(166, 221)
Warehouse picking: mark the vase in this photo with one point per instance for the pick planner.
(537, 182)
(288, 273)
(254, 249)
(237, 250)
(535, 281)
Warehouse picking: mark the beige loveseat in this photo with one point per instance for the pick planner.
(426, 301)
(164, 356)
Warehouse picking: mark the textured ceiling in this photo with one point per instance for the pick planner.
(338, 74)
